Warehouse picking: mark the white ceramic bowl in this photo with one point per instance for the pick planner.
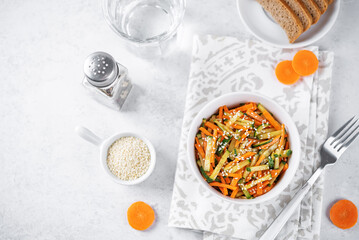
(234, 99)
(263, 27)
(104, 146)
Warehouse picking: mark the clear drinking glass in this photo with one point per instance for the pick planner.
(149, 26)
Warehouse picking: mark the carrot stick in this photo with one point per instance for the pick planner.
(200, 150)
(251, 142)
(204, 140)
(225, 108)
(226, 117)
(240, 127)
(285, 167)
(255, 116)
(224, 190)
(246, 107)
(272, 121)
(269, 117)
(265, 146)
(227, 180)
(240, 158)
(214, 127)
(274, 173)
(253, 190)
(235, 175)
(205, 131)
(256, 122)
(286, 145)
(268, 188)
(220, 114)
(217, 184)
(215, 134)
(234, 193)
(235, 181)
(244, 136)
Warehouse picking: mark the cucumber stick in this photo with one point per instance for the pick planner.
(204, 174)
(234, 118)
(260, 129)
(209, 150)
(262, 143)
(281, 166)
(268, 152)
(253, 162)
(219, 165)
(238, 166)
(269, 135)
(286, 153)
(258, 168)
(259, 180)
(224, 128)
(244, 190)
(222, 145)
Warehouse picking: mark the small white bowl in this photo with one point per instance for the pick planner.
(104, 146)
(234, 99)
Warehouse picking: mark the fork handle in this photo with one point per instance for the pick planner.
(273, 230)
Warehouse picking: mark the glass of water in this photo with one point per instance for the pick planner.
(149, 26)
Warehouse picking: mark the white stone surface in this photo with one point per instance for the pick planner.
(51, 182)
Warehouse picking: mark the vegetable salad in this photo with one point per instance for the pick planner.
(243, 151)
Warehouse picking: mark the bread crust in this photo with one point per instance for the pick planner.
(289, 13)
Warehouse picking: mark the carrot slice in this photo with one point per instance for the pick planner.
(285, 73)
(344, 214)
(305, 63)
(140, 216)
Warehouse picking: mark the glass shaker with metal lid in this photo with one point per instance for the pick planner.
(106, 79)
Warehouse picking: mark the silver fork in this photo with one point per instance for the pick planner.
(331, 151)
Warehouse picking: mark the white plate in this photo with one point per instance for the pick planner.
(261, 25)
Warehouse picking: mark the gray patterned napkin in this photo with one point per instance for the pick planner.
(221, 65)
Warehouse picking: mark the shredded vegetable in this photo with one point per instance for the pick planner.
(242, 151)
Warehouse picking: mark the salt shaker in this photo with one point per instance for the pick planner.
(106, 79)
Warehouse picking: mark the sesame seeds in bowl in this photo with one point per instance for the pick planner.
(128, 158)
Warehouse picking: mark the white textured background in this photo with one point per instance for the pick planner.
(51, 183)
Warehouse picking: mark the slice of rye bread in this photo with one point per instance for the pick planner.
(313, 9)
(301, 11)
(284, 16)
(322, 4)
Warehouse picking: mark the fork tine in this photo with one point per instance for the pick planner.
(344, 139)
(342, 127)
(342, 131)
(348, 142)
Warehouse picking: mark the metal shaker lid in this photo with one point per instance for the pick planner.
(100, 69)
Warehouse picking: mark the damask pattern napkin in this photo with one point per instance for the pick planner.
(221, 65)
